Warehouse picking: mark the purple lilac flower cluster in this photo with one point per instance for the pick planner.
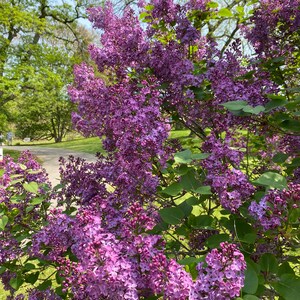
(275, 21)
(48, 294)
(123, 41)
(231, 184)
(112, 264)
(221, 276)
(272, 211)
(130, 119)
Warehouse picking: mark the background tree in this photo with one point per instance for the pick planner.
(39, 44)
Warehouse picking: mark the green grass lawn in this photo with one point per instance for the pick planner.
(87, 145)
(93, 145)
(13, 153)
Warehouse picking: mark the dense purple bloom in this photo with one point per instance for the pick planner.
(275, 21)
(231, 184)
(222, 276)
(272, 210)
(48, 294)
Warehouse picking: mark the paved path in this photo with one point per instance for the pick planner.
(50, 157)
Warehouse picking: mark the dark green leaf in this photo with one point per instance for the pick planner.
(158, 228)
(32, 277)
(268, 263)
(280, 158)
(173, 190)
(251, 280)
(189, 182)
(200, 221)
(204, 190)
(46, 284)
(58, 278)
(285, 268)
(273, 180)
(192, 201)
(182, 230)
(171, 215)
(186, 208)
(291, 125)
(288, 287)
(276, 101)
(250, 297)
(16, 282)
(29, 266)
(215, 240)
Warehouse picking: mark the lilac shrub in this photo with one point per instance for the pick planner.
(145, 221)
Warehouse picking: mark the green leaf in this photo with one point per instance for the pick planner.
(46, 284)
(204, 190)
(192, 201)
(250, 297)
(29, 266)
(285, 268)
(32, 277)
(295, 162)
(240, 10)
(253, 110)
(280, 158)
(31, 187)
(200, 221)
(183, 157)
(251, 280)
(212, 4)
(225, 12)
(268, 263)
(291, 125)
(29, 209)
(200, 156)
(186, 208)
(182, 230)
(271, 179)
(3, 222)
(58, 278)
(36, 201)
(189, 182)
(143, 15)
(190, 260)
(215, 240)
(276, 101)
(16, 282)
(173, 190)
(235, 105)
(171, 215)
(288, 287)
